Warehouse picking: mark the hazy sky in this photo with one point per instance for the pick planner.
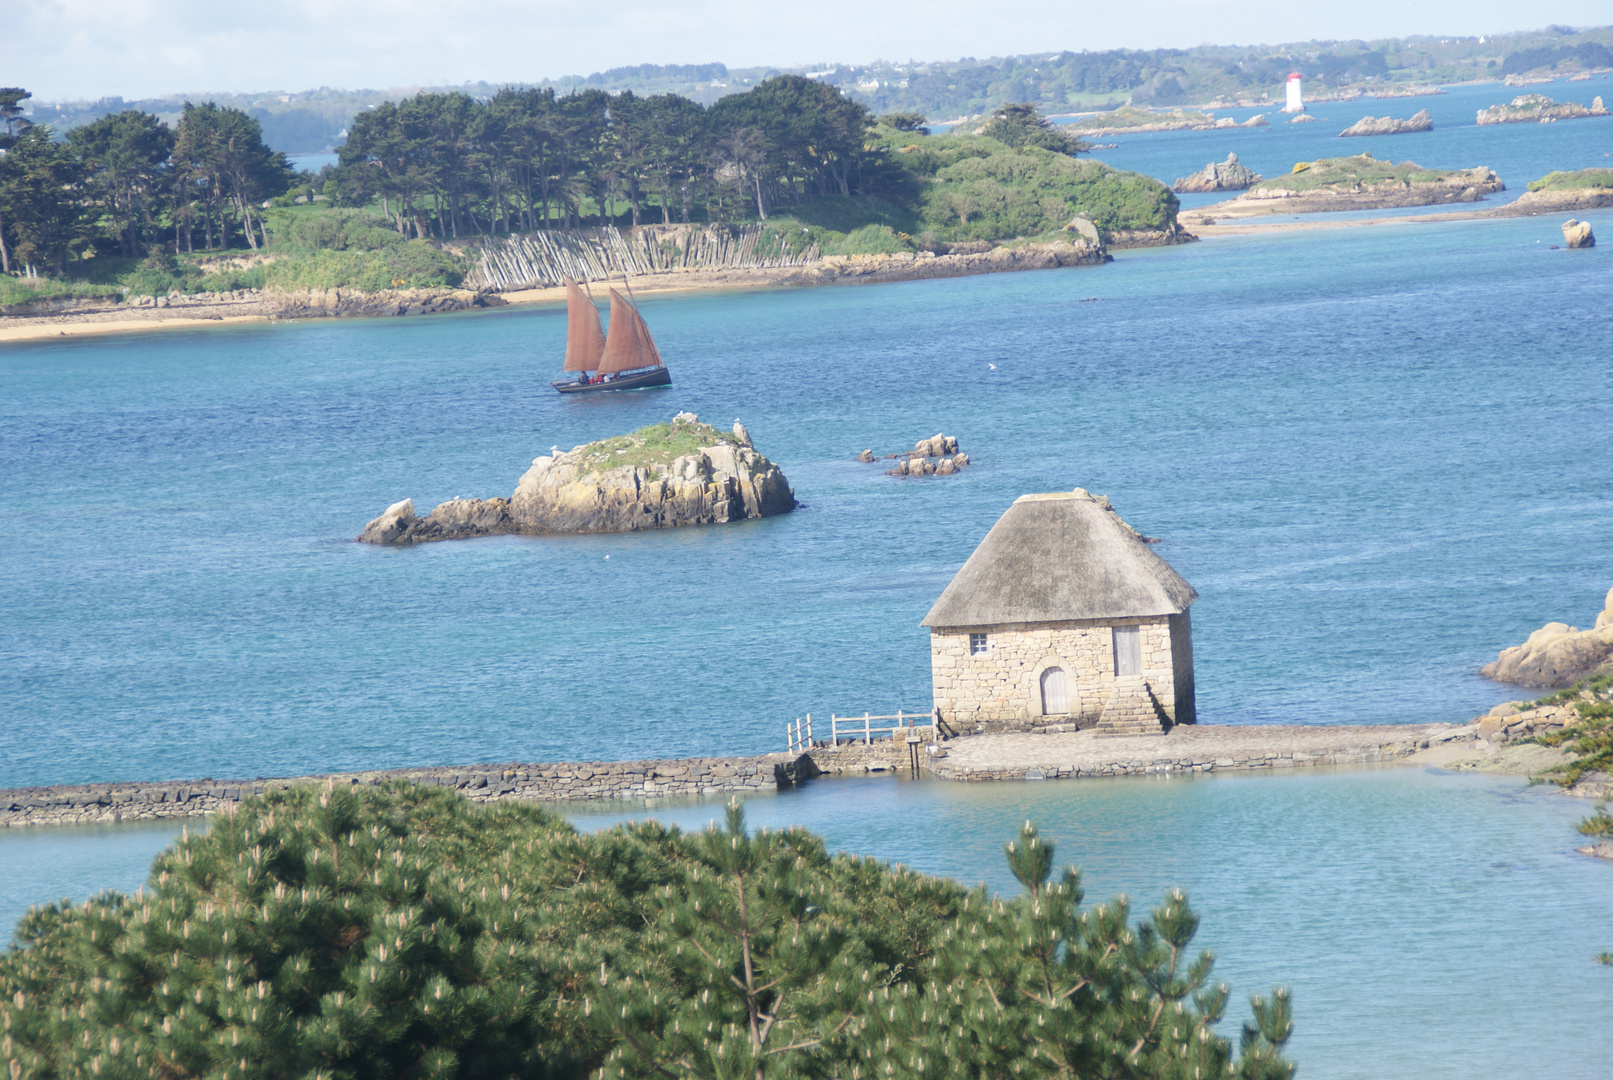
(63, 49)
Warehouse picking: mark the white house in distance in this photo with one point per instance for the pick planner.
(1063, 616)
(1295, 102)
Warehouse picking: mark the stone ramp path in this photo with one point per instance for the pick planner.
(1187, 748)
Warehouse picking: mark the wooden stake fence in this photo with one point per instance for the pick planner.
(545, 258)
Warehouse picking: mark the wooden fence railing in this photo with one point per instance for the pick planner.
(854, 729)
(546, 257)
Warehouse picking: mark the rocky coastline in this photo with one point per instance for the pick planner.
(663, 476)
(1388, 125)
(72, 316)
(260, 303)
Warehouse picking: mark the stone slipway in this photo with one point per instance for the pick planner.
(1196, 748)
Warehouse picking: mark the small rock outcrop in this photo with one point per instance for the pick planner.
(1577, 234)
(1228, 175)
(936, 456)
(1388, 125)
(1557, 654)
(663, 476)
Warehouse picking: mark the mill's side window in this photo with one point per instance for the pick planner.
(977, 645)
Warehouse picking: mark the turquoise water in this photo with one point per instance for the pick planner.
(1431, 925)
(1380, 455)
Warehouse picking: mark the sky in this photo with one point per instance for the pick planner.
(86, 49)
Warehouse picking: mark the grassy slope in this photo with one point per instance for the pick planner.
(1569, 181)
(654, 447)
(1349, 171)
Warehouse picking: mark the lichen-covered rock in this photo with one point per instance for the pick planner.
(719, 483)
(722, 478)
(1577, 234)
(1557, 654)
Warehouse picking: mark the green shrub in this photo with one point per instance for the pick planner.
(308, 231)
(1029, 192)
(870, 240)
(402, 932)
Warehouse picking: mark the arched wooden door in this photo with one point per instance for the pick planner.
(1055, 697)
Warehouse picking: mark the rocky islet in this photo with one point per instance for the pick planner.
(1388, 125)
(627, 484)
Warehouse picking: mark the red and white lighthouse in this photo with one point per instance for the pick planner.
(1295, 102)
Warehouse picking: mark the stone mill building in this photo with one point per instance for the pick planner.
(1063, 616)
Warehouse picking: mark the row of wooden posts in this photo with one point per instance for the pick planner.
(858, 728)
(545, 258)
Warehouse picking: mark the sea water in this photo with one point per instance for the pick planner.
(1429, 924)
(1380, 455)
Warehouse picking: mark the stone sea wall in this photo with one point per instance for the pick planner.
(104, 804)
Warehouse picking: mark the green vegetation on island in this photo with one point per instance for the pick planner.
(403, 931)
(657, 446)
(1582, 180)
(1350, 172)
(1128, 118)
(126, 205)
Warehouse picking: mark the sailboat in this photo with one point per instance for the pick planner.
(624, 359)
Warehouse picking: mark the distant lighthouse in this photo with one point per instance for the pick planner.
(1295, 103)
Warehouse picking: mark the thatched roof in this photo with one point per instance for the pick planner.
(1058, 557)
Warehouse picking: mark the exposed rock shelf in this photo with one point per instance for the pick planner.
(1388, 125)
(663, 476)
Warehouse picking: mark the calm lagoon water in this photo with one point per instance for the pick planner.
(1430, 924)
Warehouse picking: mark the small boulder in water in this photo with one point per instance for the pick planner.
(1577, 234)
(866, 456)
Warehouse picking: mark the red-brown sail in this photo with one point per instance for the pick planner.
(628, 345)
(585, 340)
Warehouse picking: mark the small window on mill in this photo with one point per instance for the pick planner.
(977, 644)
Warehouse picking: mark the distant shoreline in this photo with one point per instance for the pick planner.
(192, 312)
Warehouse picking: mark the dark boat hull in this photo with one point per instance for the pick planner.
(656, 377)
